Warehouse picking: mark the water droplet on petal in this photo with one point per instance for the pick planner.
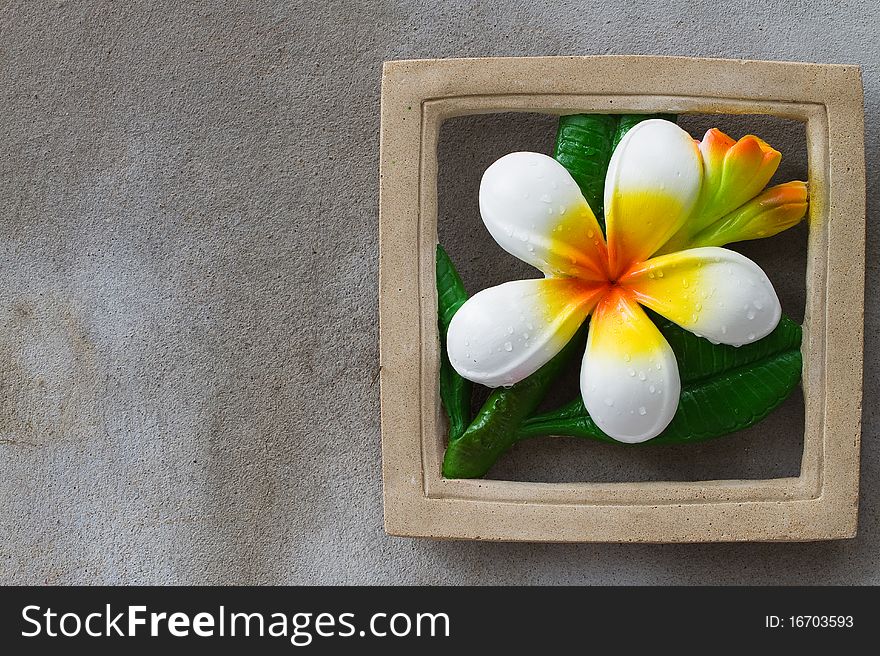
(508, 346)
(609, 401)
(751, 337)
(642, 411)
(626, 357)
(510, 330)
(642, 375)
(750, 314)
(545, 198)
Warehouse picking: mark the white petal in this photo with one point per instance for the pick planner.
(504, 334)
(713, 292)
(534, 209)
(629, 377)
(651, 187)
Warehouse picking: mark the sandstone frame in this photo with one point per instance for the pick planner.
(821, 503)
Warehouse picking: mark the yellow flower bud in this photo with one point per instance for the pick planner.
(776, 209)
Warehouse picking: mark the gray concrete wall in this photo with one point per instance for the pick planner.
(188, 307)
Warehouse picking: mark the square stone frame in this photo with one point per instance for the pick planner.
(821, 503)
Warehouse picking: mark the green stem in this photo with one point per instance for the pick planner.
(496, 427)
(569, 420)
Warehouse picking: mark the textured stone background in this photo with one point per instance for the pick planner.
(188, 308)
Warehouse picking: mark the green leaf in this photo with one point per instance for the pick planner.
(496, 427)
(584, 146)
(698, 358)
(724, 388)
(455, 391)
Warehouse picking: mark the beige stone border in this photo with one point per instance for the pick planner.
(821, 503)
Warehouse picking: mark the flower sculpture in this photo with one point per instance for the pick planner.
(670, 202)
